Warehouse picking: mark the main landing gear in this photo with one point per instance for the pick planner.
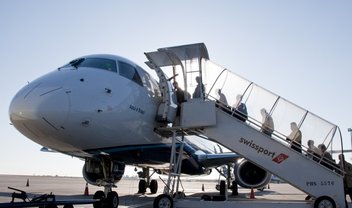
(145, 182)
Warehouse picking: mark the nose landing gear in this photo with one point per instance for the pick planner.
(111, 174)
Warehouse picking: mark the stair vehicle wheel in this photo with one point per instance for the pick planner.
(324, 202)
(163, 201)
(153, 186)
(142, 186)
(112, 200)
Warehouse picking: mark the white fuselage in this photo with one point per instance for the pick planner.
(75, 109)
(103, 108)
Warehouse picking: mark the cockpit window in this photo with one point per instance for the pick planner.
(101, 63)
(130, 72)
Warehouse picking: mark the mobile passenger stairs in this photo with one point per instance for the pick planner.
(206, 116)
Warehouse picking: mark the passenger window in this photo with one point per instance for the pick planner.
(101, 63)
(130, 72)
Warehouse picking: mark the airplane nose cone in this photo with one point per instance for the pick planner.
(38, 110)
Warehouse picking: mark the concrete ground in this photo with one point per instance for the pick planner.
(73, 188)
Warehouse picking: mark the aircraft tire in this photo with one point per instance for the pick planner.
(324, 201)
(112, 200)
(234, 188)
(142, 186)
(222, 187)
(101, 196)
(68, 206)
(163, 201)
(153, 186)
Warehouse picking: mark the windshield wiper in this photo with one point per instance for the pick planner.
(75, 63)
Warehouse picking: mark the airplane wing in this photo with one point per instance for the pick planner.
(210, 154)
(217, 159)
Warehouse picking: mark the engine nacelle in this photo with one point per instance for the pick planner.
(249, 175)
(93, 172)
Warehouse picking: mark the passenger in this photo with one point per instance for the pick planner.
(240, 109)
(199, 88)
(221, 102)
(221, 97)
(347, 167)
(325, 154)
(295, 138)
(313, 151)
(180, 96)
(268, 123)
(327, 160)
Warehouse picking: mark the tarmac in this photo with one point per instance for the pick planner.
(73, 188)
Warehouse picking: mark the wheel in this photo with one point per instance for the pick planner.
(153, 186)
(142, 186)
(163, 201)
(222, 187)
(68, 206)
(324, 202)
(112, 200)
(99, 195)
(234, 188)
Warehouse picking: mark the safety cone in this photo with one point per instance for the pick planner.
(27, 184)
(251, 196)
(86, 192)
(202, 187)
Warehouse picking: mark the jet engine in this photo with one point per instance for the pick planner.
(93, 172)
(249, 175)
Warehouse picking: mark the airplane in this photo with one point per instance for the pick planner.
(102, 108)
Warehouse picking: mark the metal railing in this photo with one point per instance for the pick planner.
(281, 110)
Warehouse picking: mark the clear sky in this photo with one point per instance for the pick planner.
(301, 50)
